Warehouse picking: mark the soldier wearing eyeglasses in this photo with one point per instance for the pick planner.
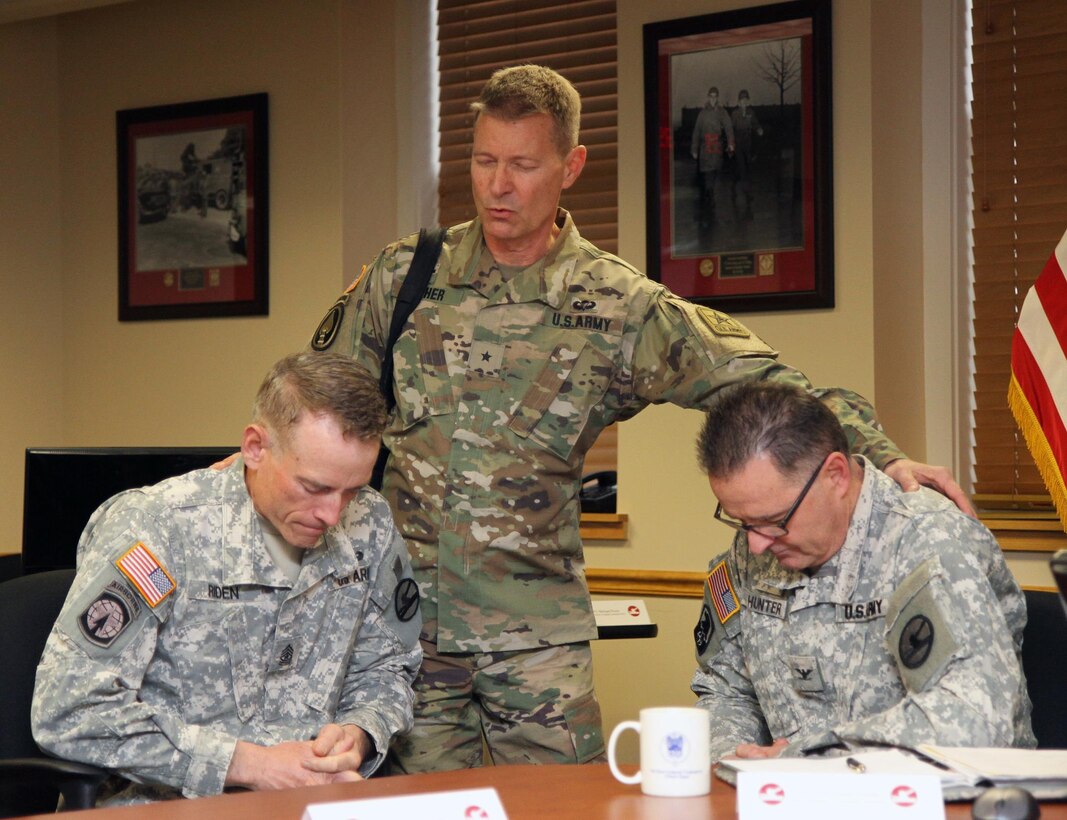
(847, 613)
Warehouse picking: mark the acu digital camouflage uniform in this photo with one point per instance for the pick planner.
(235, 651)
(910, 634)
(504, 379)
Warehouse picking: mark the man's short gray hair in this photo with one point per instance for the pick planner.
(522, 90)
(754, 418)
(320, 384)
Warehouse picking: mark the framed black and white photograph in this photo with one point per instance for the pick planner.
(193, 205)
(739, 157)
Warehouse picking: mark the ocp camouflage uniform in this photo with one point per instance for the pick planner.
(164, 657)
(504, 379)
(910, 634)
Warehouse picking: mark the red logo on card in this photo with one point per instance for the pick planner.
(905, 796)
(772, 794)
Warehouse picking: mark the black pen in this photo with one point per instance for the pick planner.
(855, 765)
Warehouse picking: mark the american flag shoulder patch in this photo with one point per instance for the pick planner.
(721, 588)
(146, 573)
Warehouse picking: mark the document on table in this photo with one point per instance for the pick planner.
(1043, 772)
(964, 772)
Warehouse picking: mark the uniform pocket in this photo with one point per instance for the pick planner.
(333, 649)
(556, 408)
(213, 664)
(584, 724)
(424, 389)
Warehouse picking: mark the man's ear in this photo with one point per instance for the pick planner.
(839, 468)
(574, 162)
(254, 444)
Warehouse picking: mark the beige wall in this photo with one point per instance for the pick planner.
(31, 281)
(77, 376)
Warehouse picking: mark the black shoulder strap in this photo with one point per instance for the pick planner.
(427, 252)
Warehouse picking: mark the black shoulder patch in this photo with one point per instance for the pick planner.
(326, 332)
(406, 599)
(703, 631)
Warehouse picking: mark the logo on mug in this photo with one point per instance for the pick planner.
(675, 746)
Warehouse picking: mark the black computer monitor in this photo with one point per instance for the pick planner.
(63, 486)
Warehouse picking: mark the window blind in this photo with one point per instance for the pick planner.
(1019, 209)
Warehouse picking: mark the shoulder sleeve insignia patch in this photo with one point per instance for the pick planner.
(703, 631)
(722, 325)
(406, 599)
(721, 588)
(105, 619)
(147, 575)
(331, 322)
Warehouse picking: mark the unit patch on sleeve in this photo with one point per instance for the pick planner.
(326, 332)
(723, 597)
(703, 631)
(721, 324)
(105, 619)
(146, 574)
(406, 599)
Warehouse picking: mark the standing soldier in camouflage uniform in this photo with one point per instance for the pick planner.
(526, 344)
(253, 627)
(847, 612)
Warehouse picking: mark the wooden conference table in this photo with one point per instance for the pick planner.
(527, 792)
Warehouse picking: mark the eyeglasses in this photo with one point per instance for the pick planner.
(776, 530)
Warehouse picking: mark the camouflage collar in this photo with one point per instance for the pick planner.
(546, 280)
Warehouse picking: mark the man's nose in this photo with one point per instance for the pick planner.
(759, 543)
(329, 510)
(501, 179)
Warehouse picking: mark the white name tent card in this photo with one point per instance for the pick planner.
(621, 612)
(774, 795)
(464, 804)
(623, 618)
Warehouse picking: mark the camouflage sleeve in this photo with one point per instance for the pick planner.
(685, 353)
(954, 652)
(357, 324)
(86, 703)
(376, 694)
(721, 681)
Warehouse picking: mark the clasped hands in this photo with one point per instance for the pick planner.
(333, 756)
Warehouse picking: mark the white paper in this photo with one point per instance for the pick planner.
(773, 795)
(465, 804)
(1003, 764)
(621, 612)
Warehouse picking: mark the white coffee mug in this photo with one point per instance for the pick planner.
(675, 751)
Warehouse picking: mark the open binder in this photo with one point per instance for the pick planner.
(964, 772)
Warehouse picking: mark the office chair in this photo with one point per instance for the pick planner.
(30, 782)
(1045, 666)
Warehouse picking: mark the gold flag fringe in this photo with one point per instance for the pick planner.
(1039, 448)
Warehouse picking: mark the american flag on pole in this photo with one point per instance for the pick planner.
(1037, 393)
(147, 574)
(722, 592)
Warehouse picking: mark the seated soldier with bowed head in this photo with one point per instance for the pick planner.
(847, 612)
(251, 627)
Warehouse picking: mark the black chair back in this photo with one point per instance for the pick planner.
(29, 606)
(1045, 665)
